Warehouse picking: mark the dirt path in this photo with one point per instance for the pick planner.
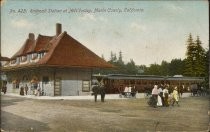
(130, 115)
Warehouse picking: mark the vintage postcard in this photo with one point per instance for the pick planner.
(104, 66)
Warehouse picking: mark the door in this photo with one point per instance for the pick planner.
(57, 89)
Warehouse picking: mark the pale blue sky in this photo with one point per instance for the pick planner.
(157, 32)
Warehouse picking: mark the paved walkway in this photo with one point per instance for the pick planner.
(82, 97)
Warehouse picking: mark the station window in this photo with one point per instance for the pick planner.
(86, 86)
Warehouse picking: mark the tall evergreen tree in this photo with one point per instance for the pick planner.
(199, 58)
(120, 60)
(190, 57)
(195, 58)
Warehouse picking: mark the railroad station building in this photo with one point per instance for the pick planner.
(59, 65)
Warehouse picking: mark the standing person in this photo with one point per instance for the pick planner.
(175, 96)
(102, 91)
(180, 91)
(154, 96)
(95, 90)
(160, 97)
(26, 89)
(38, 91)
(21, 91)
(4, 89)
(165, 96)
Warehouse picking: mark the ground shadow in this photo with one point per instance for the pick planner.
(11, 122)
(8, 100)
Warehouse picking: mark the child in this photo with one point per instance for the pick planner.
(175, 96)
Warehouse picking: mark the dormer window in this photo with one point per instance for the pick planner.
(42, 54)
(23, 58)
(34, 56)
(13, 61)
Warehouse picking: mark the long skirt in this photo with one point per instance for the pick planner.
(166, 99)
(159, 102)
(152, 101)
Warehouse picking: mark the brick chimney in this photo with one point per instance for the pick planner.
(58, 29)
(31, 36)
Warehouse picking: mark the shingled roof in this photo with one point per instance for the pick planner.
(67, 52)
(62, 50)
(41, 42)
(27, 47)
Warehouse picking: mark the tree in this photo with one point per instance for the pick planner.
(195, 58)
(207, 59)
(176, 67)
(154, 69)
(190, 54)
(131, 67)
(199, 58)
(141, 69)
(113, 58)
(120, 60)
(164, 68)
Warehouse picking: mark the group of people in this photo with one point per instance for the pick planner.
(161, 96)
(24, 90)
(129, 91)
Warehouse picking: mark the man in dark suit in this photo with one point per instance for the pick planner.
(95, 90)
(102, 91)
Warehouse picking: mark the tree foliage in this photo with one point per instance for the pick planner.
(195, 58)
(176, 67)
(195, 63)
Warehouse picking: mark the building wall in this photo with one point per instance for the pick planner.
(72, 81)
(24, 78)
(47, 88)
(71, 87)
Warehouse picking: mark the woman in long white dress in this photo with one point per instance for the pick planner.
(159, 102)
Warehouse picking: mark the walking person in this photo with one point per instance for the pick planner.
(165, 96)
(95, 90)
(102, 91)
(175, 96)
(154, 96)
(160, 97)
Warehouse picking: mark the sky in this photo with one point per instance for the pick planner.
(146, 31)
